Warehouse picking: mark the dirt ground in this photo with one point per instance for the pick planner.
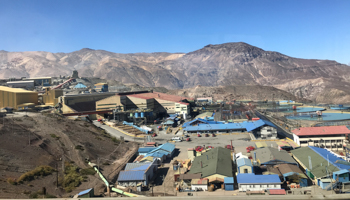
(41, 139)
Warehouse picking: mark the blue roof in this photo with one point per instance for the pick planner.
(243, 162)
(252, 178)
(131, 175)
(331, 157)
(80, 85)
(229, 180)
(167, 147)
(157, 154)
(136, 166)
(146, 149)
(214, 127)
(85, 192)
(201, 120)
(343, 171)
(259, 123)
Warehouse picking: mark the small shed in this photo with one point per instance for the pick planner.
(199, 184)
(325, 182)
(229, 183)
(342, 175)
(86, 193)
(244, 165)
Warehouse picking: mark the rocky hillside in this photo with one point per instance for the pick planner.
(60, 143)
(228, 93)
(214, 65)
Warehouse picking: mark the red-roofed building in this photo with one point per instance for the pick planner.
(331, 137)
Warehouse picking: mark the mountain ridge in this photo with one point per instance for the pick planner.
(213, 65)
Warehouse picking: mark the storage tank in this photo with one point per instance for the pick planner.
(142, 114)
(136, 115)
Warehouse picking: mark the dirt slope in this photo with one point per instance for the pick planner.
(52, 141)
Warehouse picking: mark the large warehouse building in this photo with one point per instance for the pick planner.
(16, 97)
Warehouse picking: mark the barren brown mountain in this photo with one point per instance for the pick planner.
(214, 65)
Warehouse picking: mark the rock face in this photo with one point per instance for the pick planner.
(214, 65)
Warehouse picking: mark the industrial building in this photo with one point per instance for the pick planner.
(215, 165)
(205, 100)
(21, 84)
(41, 81)
(263, 129)
(137, 173)
(81, 102)
(171, 103)
(50, 97)
(17, 98)
(101, 87)
(331, 137)
(321, 164)
(132, 105)
(217, 128)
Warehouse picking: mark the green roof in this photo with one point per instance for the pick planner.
(319, 164)
(214, 161)
(269, 155)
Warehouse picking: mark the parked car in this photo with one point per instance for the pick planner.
(199, 135)
(154, 135)
(213, 134)
(229, 147)
(176, 139)
(250, 148)
(206, 135)
(188, 139)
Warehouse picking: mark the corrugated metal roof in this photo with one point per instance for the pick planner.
(146, 149)
(331, 157)
(217, 127)
(131, 175)
(318, 162)
(252, 178)
(202, 121)
(256, 124)
(287, 168)
(85, 192)
(156, 154)
(136, 166)
(214, 161)
(229, 180)
(268, 154)
(244, 161)
(167, 147)
(323, 130)
(15, 90)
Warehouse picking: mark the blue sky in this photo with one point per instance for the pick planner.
(303, 29)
